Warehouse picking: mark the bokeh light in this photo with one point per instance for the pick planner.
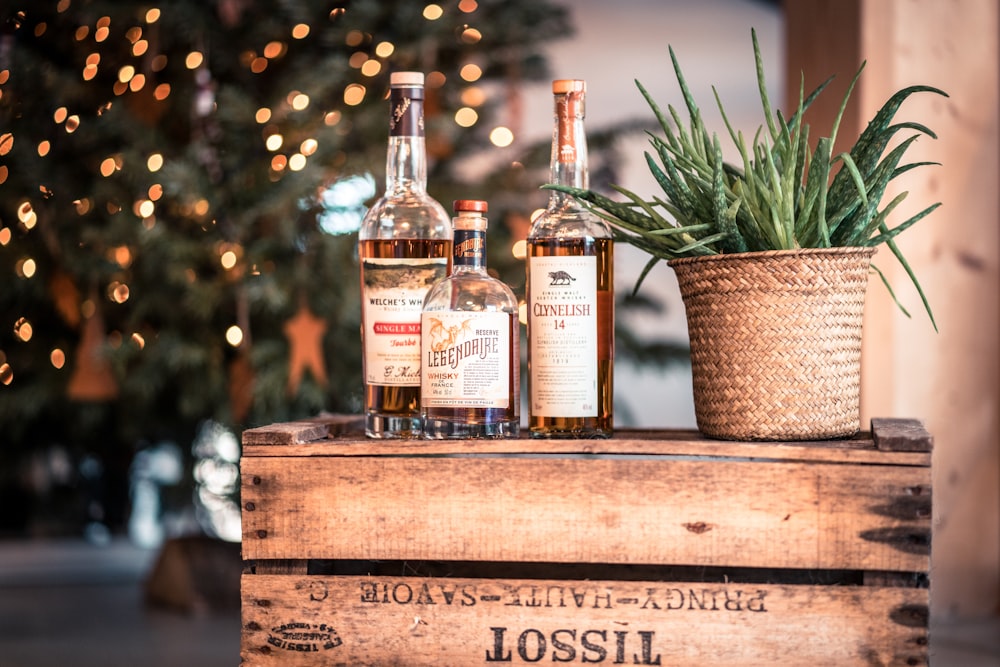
(23, 330)
(471, 72)
(354, 94)
(466, 117)
(501, 137)
(234, 336)
(25, 268)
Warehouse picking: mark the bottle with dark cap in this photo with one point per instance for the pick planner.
(404, 247)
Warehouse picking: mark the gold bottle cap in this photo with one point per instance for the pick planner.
(562, 86)
(399, 79)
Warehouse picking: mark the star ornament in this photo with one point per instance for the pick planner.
(305, 332)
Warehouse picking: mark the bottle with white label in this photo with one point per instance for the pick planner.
(404, 247)
(470, 361)
(570, 294)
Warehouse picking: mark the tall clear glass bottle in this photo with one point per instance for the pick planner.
(470, 349)
(404, 247)
(570, 294)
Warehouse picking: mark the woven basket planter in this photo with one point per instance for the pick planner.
(776, 341)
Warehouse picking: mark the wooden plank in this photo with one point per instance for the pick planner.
(625, 443)
(901, 435)
(362, 621)
(306, 430)
(597, 510)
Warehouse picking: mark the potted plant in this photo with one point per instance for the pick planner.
(772, 256)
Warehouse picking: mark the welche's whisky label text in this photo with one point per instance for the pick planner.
(393, 295)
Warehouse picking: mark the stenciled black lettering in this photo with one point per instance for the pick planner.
(369, 591)
(425, 595)
(756, 604)
(498, 654)
(606, 597)
(597, 652)
(395, 593)
(563, 651)
(646, 639)
(693, 599)
(650, 602)
(561, 593)
(620, 636)
(541, 646)
(680, 599)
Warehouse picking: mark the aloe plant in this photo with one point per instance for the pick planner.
(782, 195)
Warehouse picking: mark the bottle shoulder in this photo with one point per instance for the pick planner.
(470, 291)
(568, 221)
(406, 215)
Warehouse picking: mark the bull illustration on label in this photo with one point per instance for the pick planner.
(560, 278)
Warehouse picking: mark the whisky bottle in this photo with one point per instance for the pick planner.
(470, 365)
(570, 294)
(404, 247)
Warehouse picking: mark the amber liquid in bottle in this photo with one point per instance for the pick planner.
(399, 402)
(570, 293)
(602, 423)
(404, 247)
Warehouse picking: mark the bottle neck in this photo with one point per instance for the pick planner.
(568, 164)
(406, 159)
(406, 165)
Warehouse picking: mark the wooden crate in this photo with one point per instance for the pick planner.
(652, 548)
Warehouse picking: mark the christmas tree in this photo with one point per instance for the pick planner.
(180, 189)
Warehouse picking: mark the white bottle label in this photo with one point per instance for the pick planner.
(466, 360)
(562, 330)
(393, 296)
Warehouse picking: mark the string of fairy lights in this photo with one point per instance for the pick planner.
(369, 57)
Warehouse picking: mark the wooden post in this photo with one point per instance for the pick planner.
(950, 378)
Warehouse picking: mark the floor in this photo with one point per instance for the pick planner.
(73, 603)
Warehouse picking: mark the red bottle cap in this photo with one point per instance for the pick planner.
(477, 205)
